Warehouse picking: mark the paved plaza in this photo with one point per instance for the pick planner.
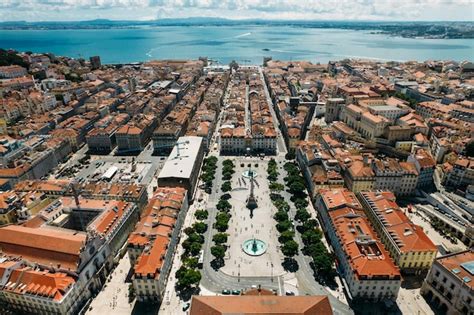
(113, 298)
(261, 226)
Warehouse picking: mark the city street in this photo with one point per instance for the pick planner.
(113, 298)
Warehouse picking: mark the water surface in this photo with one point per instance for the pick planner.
(245, 44)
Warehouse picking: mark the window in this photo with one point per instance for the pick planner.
(437, 273)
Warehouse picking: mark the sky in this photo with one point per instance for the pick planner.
(389, 10)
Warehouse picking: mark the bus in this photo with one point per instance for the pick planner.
(201, 259)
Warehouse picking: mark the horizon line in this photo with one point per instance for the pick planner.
(242, 20)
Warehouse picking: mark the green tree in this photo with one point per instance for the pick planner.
(286, 236)
(223, 205)
(301, 203)
(218, 251)
(201, 214)
(226, 196)
(190, 277)
(226, 186)
(195, 248)
(200, 227)
(323, 263)
(314, 249)
(283, 226)
(302, 215)
(220, 238)
(222, 220)
(311, 236)
(276, 187)
(308, 225)
(226, 176)
(196, 238)
(290, 248)
(180, 272)
(297, 187)
(190, 262)
(189, 230)
(281, 216)
(221, 226)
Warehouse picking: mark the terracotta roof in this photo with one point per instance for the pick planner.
(411, 236)
(43, 245)
(460, 265)
(152, 232)
(42, 283)
(264, 304)
(365, 253)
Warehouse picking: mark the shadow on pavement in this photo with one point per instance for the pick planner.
(372, 308)
(145, 308)
(216, 264)
(290, 265)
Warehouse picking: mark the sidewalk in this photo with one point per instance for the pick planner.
(113, 299)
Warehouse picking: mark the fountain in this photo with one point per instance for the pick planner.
(254, 247)
(249, 174)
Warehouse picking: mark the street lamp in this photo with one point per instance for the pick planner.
(238, 275)
(272, 270)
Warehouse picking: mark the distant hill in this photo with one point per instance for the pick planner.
(404, 29)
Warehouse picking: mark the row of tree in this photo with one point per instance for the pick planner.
(311, 235)
(223, 216)
(288, 247)
(188, 276)
(227, 169)
(208, 172)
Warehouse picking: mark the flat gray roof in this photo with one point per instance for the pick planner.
(384, 107)
(182, 158)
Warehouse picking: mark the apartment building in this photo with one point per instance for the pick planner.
(448, 288)
(425, 166)
(38, 162)
(410, 248)
(134, 135)
(102, 191)
(247, 124)
(368, 271)
(151, 246)
(81, 125)
(165, 137)
(294, 120)
(334, 107)
(461, 174)
(319, 169)
(17, 83)
(9, 207)
(14, 71)
(359, 175)
(392, 175)
(365, 122)
(102, 137)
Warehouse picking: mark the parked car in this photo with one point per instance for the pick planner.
(186, 306)
(226, 292)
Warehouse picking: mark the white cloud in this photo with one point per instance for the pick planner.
(287, 9)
